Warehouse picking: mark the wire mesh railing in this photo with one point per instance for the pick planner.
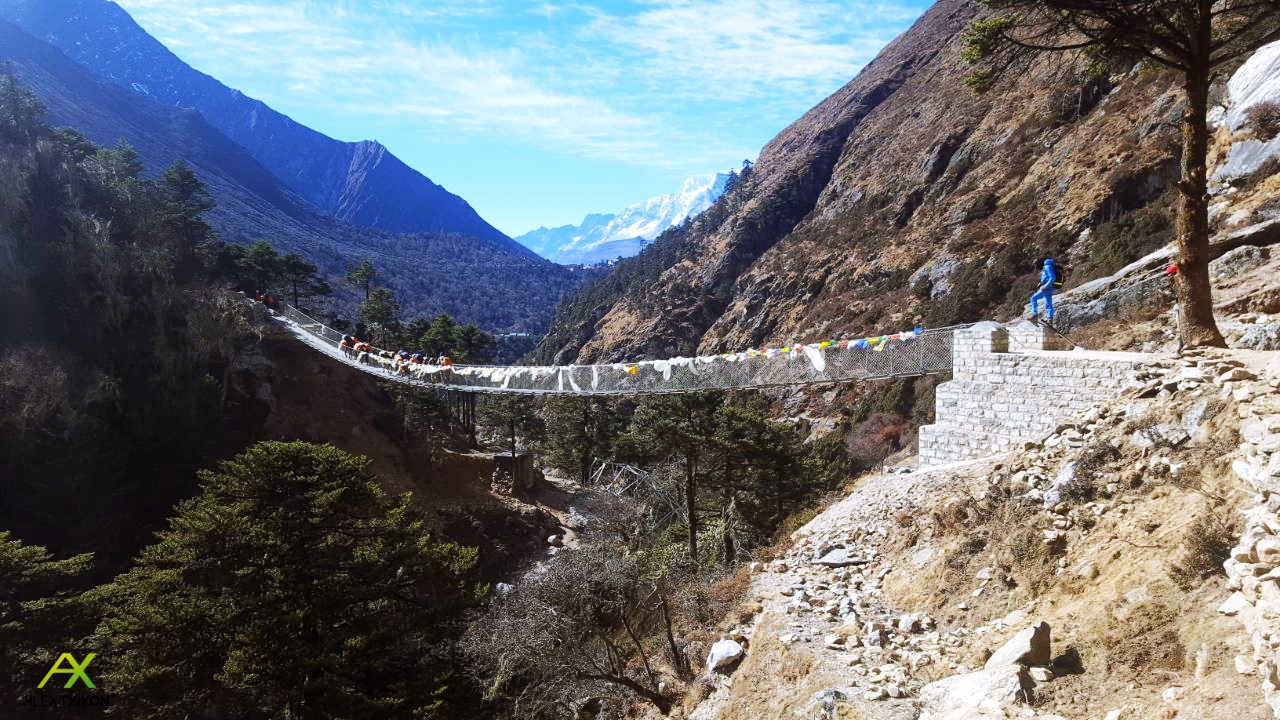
(908, 354)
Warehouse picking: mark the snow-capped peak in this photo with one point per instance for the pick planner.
(605, 237)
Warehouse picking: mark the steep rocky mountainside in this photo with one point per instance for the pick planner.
(504, 289)
(903, 199)
(1117, 566)
(361, 183)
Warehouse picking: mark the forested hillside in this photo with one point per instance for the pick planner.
(126, 366)
(359, 183)
(488, 281)
(110, 333)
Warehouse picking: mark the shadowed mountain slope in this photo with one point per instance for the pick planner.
(479, 280)
(361, 183)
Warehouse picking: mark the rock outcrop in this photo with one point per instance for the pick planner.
(1253, 569)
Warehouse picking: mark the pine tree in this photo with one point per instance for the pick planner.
(513, 414)
(362, 276)
(439, 337)
(381, 313)
(301, 278)
(764, 476)
(1193, 37)
(579, 431)
(184, 200)
(21, 112)
(681, 428)
(38, 615)
(262, 264)
(291, 587)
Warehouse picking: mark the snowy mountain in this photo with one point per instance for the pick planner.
(605, 237)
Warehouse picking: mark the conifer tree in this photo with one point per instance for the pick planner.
(38, 615)
(262, 264)
(21, 112)
(514, 415)
(184, 200)
(301, 278)
(579, 430)
(381, 314)
(1193, 37)
(681, 428)
(362, 276)
(290, 587)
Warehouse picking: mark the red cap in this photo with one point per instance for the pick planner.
(1171, 270)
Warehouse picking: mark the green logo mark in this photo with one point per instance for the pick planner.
(76, 671)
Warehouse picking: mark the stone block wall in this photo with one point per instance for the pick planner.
(1013, 386)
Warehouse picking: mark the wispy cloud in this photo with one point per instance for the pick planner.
(650, 83)
(741, 49)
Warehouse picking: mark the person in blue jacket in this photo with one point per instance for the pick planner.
(1047, 278)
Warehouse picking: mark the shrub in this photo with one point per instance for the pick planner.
(875, 439)
(1082, 486)
(1269, 167)
(1264, 118)
(1118, 242)
(1207, 545)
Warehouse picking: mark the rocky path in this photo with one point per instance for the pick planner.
(826, 641)
(823, 605)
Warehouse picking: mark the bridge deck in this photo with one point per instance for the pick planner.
(908, 354)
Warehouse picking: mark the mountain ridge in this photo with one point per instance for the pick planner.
(902, 199)
(361, 183)
(506, 290)
(602, 237)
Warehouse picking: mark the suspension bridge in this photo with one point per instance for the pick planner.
(906, 354)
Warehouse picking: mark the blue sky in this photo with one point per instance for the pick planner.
(538, 113)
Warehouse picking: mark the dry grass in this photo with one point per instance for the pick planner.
(1131, 330)
(705, 603)
(770, 665)
(1124, 637)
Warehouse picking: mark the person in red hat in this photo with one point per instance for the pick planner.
(1171, 274)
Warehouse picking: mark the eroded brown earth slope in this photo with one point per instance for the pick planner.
(898, 194)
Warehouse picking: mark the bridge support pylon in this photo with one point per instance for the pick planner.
(462, 410)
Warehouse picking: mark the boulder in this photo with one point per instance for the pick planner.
(723, 654)
(1041, 674)
(1234, 604)
(839, 557)
(877, 637)
(909, 623)
(1257, 81)
(1199, 413)
(1268, 550)
(1029, 647)
(1234, 375)
(829, 699)
(1246, 157)
(1005, 685)
(1261, 336)
(1238, 262)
